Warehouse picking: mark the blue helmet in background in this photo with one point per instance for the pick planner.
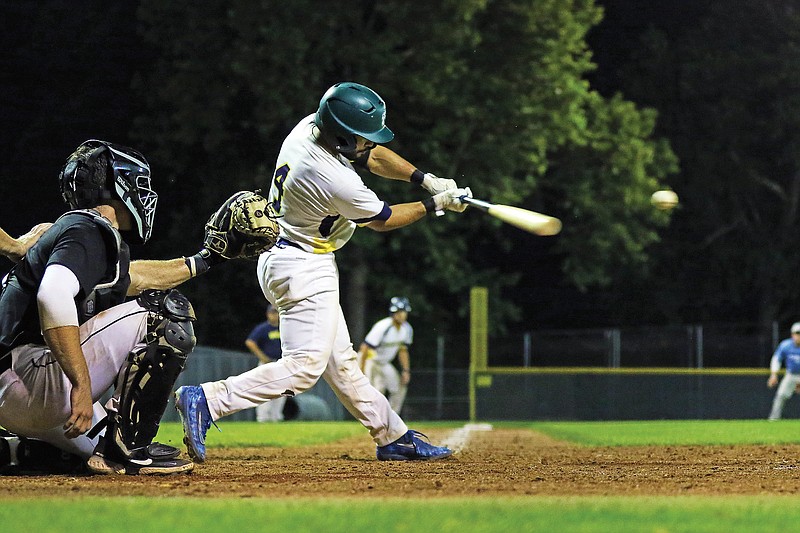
(348, 109)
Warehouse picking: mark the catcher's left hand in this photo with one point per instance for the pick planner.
(243, 227)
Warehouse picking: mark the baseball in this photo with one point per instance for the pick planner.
(664, 199)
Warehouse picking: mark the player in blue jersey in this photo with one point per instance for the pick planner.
(788, 355)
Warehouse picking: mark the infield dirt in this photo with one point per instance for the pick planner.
(492, 464)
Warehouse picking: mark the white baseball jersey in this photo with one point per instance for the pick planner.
(319, 196)
(386, 339)
(320, 199)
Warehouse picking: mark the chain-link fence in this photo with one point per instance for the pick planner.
(684, 346)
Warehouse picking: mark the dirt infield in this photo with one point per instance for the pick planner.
(491, 464)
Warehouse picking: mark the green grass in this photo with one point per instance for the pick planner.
(282, 435)
(672, 432)
(629, 433)
(271, 512)
(456, 515)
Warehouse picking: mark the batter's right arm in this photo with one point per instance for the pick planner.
(405, 214)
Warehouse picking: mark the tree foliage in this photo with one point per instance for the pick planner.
(727, 86)
(490, 92)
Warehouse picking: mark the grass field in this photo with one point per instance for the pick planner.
(767, 512)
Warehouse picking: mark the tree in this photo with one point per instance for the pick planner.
(726, 87)
(492, 93)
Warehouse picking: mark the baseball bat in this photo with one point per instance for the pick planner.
(529, 221)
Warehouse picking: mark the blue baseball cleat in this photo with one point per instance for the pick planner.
(190, 401)
(410, 447)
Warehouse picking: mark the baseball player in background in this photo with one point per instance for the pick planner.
(320, 199)
(787, 354)
(388, 339)
(264, 342)
(67, 334)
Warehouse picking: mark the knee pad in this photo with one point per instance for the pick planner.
(144, 384)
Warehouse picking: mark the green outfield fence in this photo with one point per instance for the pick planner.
(608, 390)
(713, 371)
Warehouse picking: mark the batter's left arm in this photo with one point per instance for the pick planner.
(384, 162)
(388, 164)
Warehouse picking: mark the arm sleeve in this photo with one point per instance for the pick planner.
(56, 298)
(82, 250)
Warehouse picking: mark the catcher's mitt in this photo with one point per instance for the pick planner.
(243, 227)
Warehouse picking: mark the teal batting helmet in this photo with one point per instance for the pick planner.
(348, 109)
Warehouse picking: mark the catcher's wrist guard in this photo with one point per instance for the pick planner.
(202, 261)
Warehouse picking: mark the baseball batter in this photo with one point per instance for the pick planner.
(388, 339)
(320, 200)
(787, 354)
(67, 334)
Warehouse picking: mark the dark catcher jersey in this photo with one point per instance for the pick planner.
(87, 244)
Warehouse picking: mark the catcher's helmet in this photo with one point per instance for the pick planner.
(98, 171)
(399, 303)
(348, 109)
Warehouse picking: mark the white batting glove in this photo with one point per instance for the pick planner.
(451, 200)
(435, 185)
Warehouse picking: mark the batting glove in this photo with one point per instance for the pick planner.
(435, 185)
(451, 200)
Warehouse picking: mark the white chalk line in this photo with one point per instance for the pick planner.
(458, 439)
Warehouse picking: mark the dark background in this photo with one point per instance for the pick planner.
(61, 86)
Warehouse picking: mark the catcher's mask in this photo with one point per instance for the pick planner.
(349, 109)
(399, 303)
(98, 171)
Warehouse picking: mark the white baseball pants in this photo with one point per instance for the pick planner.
(35, 392)
(785, 391)
(386, 378)
(315, 342)
(272, 410)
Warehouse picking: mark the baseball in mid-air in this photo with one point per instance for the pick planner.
(664, 199)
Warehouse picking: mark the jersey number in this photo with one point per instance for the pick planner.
(281, 173)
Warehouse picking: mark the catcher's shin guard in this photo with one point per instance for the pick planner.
(146, 382)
